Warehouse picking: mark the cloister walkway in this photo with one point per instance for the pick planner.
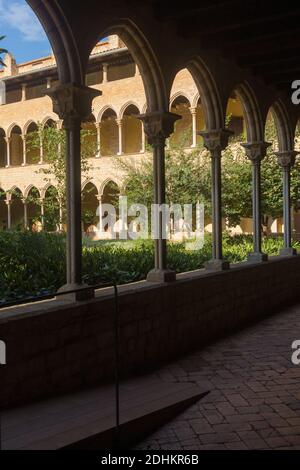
(255, 395)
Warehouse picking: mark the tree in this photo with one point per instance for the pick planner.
(54, 151)
(2, 51)
(188, 180)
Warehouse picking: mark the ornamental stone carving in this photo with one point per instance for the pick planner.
(286, 159)
(256, 151)
(158, 126)
(72, 102)
(215, 140)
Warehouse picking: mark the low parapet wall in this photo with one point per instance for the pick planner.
(54, 347)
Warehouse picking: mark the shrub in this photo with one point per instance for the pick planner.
(33, 264)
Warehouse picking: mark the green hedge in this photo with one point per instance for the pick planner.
(34, 264)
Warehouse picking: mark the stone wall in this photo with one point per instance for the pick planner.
(53, 347)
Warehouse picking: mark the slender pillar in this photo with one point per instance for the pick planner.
(60, 225)
(25, 213)
(41, 201)
(41, 161)
(100, 214)
(215, 142)
(73, 104)
(194, 126)
(8, 140)
(23, 136)
(24, 86)
(286, 160)
(49, 80)
(143, 139)
(158, 127)
(256, 152)
(98, 127)
(8, 205)
(105, 73)
(120, 130)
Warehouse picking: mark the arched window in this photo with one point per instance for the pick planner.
(132, 130)
(90, 206)
(16, 146)
(109, 133)
(32, 145)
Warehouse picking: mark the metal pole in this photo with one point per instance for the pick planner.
(117, 369)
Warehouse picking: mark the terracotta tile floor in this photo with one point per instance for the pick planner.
(255, 398)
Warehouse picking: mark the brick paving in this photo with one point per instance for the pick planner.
(255, 392)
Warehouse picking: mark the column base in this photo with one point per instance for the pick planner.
(161, 275)
(79, 292)
(257, 257)
(217, 265)
(288, 252)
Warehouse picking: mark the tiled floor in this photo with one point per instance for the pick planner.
(255, 398)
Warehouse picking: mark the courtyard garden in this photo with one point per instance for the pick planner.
(33, 264)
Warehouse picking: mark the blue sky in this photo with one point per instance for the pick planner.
(25, 37)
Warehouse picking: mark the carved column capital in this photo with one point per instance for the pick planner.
(72, 103)
(256, 151)
(215, 140)
(158, 126)
(286, 159)
(193, 111)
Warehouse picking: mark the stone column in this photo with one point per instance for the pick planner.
(194, 126)
(256, 152)
(100, 214)
(49, 80)
(8, 205)
(286, 160)
(24, 150)
(24, 86)
(120, 129)
(73, 104)
(98, 127)
(105, 73)
(143, 139)
(60, 216)
(25, 213)
(215, 142)
(158, 127)
(8, 140)
(41, 202)
(41, 161)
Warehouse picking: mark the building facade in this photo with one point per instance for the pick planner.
(116, 130)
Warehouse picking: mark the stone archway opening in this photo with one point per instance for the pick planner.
(3, 149)
(34, 210)
(3, 211)
(110, 195)
(32, 149)
(52, 222)
(17, 209)
(183, 132)
(109, 133)
(89, 141)
(235, 118)
(132, 130)
(16, 146)
(90, 205)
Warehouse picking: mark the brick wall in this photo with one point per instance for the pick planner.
(54, 347)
